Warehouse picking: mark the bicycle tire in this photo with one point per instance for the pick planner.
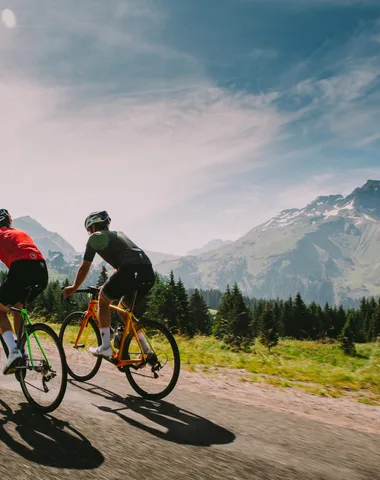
(177, 361)
(5, 347)
(55, 404)
(91, 321)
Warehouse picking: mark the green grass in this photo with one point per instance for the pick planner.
(320, 369)
(317, 368)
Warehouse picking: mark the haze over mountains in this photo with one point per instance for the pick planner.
(45, 239)
(52, 241)
(328, 251)
(212, 245)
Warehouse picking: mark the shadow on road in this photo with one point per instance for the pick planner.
(47, 440)
(181, 426)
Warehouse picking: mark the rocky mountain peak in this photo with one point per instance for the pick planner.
(367, 197)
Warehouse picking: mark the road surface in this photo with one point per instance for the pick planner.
(104, 430)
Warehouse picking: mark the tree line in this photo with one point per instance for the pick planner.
(239, 319)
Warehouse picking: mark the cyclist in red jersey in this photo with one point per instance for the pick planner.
(27, 278)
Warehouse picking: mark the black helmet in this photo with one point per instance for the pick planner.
(5, 218)
(97, 217)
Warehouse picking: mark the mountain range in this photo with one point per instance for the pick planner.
(45, 239)
(52, 241)
(328, 251)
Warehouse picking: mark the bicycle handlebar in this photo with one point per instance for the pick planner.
(89, 289)
(94, 291)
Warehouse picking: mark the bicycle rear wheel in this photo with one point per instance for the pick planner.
(3, 354)
(81, 364)
(43, 372)
(157, 375)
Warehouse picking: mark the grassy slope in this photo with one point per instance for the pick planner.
(314, 367)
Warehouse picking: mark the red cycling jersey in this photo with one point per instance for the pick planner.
(15, 245)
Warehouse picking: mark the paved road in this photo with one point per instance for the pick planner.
(103, 430)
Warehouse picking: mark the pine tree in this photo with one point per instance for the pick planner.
(241, 313)
(103, 277)
(170, 304)
(300, 318)
(340, 320)
(183, 310)
(278, 317)
(374, 326)
(224, 315)
(156, 301)
(269, 328)
(287, 318)
(199, 315)
(315, 318)
(347, 336)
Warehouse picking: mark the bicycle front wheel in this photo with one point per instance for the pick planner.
(81, 364)
(157, 374)
(43, 372)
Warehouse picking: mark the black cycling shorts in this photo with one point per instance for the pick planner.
(126, 281)
(26, 279)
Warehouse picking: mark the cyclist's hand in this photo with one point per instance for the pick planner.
(68, 291)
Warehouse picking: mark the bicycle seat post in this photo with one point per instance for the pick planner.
(134, 301)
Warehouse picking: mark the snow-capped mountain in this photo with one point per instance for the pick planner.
(328, 251)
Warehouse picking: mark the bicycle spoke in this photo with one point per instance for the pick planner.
(43, 374)
(76, 341)
(158, 371)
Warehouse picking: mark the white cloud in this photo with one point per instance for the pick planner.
(8, 18)
(369, 140)
(166, 137)
(134, 157)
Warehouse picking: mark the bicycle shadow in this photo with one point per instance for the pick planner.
(182, 426)
(46, 440)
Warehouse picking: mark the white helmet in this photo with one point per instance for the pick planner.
(97, 217)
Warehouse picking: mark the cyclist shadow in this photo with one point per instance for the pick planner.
(174, 424)
(46, 440)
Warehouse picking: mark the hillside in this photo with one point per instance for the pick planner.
(44, 239)
(47, 240)
(212, 245)
(328, 251)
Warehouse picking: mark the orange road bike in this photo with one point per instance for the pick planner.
(144, 350)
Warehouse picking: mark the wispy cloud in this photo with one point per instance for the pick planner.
(161, 152)
(116, 116)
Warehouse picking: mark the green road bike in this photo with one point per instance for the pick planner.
(42, 372)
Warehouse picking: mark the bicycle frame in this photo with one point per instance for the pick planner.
(26, 325)
(92, 312)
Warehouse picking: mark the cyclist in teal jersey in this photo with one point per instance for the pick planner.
(134, 272)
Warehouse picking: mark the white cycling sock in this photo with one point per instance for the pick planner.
(9, 340)
(105, 334)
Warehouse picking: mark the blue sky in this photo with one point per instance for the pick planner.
(188, 120)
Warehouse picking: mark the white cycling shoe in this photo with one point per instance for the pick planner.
(101, 352)
(12, 359)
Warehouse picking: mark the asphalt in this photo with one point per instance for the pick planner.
(104, 430)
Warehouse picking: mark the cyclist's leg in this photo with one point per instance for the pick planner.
(33, 280)
(9, 296)
(108, 293)
(142, 284)
(22, 275)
